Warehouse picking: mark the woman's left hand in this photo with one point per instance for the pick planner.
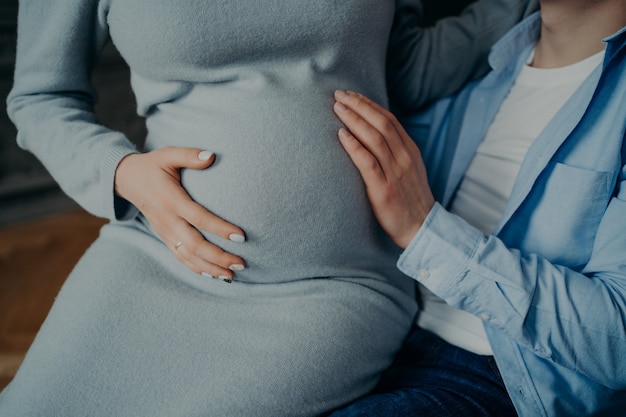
(389, 162)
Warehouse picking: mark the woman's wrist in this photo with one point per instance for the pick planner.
(122, 173)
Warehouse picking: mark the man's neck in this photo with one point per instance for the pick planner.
(572, 30)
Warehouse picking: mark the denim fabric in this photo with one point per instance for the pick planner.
(431, 377)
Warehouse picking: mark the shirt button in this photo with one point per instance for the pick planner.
(423, 273)
(485, 317)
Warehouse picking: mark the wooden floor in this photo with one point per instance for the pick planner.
(35, 259)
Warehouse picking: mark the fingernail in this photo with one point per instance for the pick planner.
(237, 267)
(340, 107)
(341, 95)
(236, 237)
(343, 134)
(225, 279)
(205, 155)
(206, 274)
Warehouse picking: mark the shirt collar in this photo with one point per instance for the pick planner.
(615, 44)
(520, 40)
(516, 42)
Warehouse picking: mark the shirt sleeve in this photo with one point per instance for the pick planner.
(424, 64)
(51, 102)
(575, 319)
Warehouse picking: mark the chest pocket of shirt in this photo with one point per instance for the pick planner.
(562, 214)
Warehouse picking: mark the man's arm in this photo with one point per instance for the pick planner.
(424, 64)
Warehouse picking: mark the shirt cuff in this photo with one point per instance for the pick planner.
(439, 255)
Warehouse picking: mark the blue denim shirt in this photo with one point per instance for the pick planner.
(550, 283)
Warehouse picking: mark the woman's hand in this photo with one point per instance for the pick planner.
(389, 162)
(151, 182)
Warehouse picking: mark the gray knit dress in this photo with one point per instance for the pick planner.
(319, 311)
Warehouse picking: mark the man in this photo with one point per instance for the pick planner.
(519, 226)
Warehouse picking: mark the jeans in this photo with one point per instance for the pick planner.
(431, 377)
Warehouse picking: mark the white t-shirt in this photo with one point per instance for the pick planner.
(535, 98)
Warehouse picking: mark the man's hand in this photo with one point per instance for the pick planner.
(389, 162)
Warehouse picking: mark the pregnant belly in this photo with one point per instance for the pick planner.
(282, 176)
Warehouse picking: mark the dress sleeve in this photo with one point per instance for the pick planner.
(51, 102)
(424, 64)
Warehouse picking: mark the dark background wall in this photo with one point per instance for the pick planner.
(26, 189)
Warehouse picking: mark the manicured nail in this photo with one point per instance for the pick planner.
(237, 267)
(341, 95)
(205, 155)
(340, 107)
(206, 274)
(236, 237)
(225, 279)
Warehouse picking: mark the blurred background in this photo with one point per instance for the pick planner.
(42, 232)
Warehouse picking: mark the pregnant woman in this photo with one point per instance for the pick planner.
(316, 310)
